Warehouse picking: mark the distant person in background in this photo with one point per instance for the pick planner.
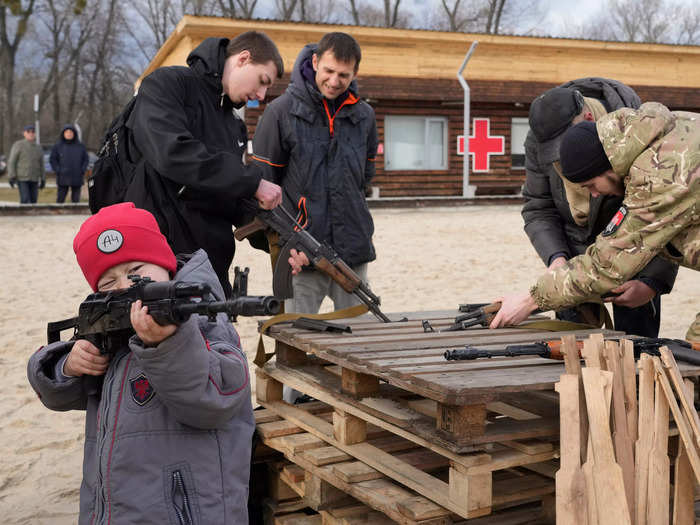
(69, 160)
(26, 167)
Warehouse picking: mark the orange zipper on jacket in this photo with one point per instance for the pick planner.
(352, 99)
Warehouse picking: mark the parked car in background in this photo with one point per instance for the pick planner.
(3, 164)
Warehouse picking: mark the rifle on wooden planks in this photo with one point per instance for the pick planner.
(481, 314)
(682, 350)
(321, 256)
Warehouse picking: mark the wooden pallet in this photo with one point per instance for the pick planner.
(452, 430)
(347, 456)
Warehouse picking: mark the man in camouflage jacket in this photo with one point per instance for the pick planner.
(652, 157)
(562, 218)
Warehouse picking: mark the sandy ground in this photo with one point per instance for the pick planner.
(426, 259)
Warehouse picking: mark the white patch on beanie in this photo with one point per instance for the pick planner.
(109, 241)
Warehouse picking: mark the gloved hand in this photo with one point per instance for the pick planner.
(42, 184)
(12, 183)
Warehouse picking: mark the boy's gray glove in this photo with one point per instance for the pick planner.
(12, 183)
(42, 184)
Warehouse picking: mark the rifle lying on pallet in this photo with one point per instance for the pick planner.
(481, 314)
(104, 317)
(682, 350)
(321, 256)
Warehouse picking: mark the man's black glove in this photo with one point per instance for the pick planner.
(12, 183)
(42, 184)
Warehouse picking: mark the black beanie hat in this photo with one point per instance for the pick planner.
(581, 153)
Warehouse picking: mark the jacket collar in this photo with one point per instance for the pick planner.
(207, 60)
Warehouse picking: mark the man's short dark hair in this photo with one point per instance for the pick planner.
(261, 48)
(344, 47)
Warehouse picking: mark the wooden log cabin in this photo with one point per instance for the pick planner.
(410, 78)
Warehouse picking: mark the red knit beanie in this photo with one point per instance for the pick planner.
(118, 234)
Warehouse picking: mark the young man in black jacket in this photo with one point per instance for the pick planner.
(318, 140)
(191, 143)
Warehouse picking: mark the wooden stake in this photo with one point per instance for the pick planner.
(570, 482)
(687, 404)
(659, 466)
(645, 437)
(684, 483)
(630, 382)
(624, 448)
(572, 362)
(681, 423)
(609, 485)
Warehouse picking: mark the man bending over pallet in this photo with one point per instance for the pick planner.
(651, 156)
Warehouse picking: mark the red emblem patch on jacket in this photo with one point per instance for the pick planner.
(141, 390)
(615, 222)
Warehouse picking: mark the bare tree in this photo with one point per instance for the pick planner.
(391, 12)
(318, 11)
(640, 20)
(689, 26)
(14, 20)
(285, 9)
(458, 19)
(354, 12)
(237, 8)
(495, 11)
(100, 60)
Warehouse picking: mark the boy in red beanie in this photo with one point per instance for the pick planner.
(168, 434)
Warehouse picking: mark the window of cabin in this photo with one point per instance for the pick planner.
(518, 131)
(415, 143)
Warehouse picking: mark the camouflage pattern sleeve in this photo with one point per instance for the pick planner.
(658, 153)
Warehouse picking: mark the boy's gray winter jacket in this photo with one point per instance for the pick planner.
(168, 438)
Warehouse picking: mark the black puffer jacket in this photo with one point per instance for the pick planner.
(548, 220)
(69, 159)
(191, 172)
(323, 161)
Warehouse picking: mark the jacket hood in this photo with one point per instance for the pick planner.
(207, 60)
(75, 134)
(196, 268)
(627, 132)
(299, 83)
(611, 93)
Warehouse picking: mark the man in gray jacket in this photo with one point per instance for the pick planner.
(318, 141)
(562, 219)
(25, 167)
(168, 434)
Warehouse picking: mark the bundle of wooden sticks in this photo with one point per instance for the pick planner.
(615, 463)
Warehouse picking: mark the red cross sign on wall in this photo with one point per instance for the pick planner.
(482, 144)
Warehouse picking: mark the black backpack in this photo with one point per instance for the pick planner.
(115, 164)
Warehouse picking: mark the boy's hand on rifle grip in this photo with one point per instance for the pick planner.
(297, 260)
(150, 332)
(85, 358)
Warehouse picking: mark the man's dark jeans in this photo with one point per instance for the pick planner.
(62, 191)
(28, 191)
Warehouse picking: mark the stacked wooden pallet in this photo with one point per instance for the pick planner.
(415, 437)
(615, 466)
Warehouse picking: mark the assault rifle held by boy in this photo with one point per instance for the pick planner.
(682, 350)
(322, 256)
(104, 317)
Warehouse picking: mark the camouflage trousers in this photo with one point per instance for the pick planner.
(694, 330)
